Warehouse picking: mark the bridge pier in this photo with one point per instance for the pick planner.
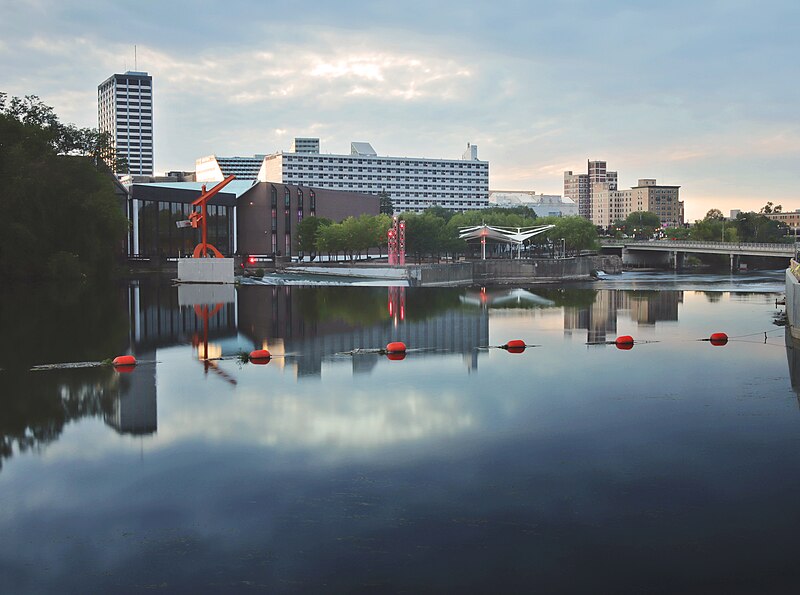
(734, 263)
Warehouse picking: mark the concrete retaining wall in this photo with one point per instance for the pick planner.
(793, 299)
(459, 273)
(545, 270)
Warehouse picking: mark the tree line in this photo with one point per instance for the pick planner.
(434, 232)
(714, 227)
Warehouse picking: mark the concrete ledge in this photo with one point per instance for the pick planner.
(205, 270)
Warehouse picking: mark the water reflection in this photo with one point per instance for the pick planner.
(347, 476)
(304, 328)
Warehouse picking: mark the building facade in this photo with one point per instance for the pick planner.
(579, 187)
(413, 183)
(610, 205)
(269, 213)
(790, 218)
(125, 112)
(243, 218)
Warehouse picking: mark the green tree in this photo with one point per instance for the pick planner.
(386, 206)
(307, 229)
(714, 214)
(643, 224)
(577, 232)
(58, 210)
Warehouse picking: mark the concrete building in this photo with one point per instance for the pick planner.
(125, 112)
(544, 205)
(413, 183)
(578, 187)
(610, 204)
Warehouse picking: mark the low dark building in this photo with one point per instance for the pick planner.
(267, 215)
(244, 218)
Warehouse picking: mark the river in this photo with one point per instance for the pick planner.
(574, 466)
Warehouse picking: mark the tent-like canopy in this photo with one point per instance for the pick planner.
(515, 236)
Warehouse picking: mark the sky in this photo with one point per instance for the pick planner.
(699, 93)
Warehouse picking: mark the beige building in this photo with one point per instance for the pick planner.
(792, 218)
(610, 205)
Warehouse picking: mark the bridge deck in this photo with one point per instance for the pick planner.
(741, 249)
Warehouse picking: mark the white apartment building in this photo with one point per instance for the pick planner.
(413, 183)
(125, 111)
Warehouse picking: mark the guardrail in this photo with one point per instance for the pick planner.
(788, 249)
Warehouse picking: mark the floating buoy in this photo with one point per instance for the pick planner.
(125, 369)
(718, 339)
(624, 346)
(516, 349)
(396, 347)
(124, 360)
(260, 356)
(624, 340)
(396, 356)
(515, 344)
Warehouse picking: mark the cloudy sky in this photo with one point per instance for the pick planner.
(698, 93)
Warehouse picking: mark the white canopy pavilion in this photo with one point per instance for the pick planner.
(514, 236)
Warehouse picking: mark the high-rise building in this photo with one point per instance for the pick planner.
(578, 187)
(125, 111)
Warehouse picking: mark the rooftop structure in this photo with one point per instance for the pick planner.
(544, 205)
(216, 169)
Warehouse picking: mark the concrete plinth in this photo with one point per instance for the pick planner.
(205, 270)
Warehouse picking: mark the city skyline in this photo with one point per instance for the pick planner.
(693, 95)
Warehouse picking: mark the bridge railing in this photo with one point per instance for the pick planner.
(733, 246)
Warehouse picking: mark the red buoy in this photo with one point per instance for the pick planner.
(515, 349)
(396, 356)
(623, 340)
(516, 344)
(260, 356)
(624, 346)
(396, 347)
(124, 360)
(718, 339)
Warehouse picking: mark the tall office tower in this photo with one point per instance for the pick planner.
(579, 187)
(125, 111)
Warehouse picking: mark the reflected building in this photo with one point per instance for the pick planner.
(133, 409)
(348, 322)
(600, 319)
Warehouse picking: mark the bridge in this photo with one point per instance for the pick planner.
(672, 252)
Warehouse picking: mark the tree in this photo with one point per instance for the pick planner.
(577, 232)
(766, 209)
(642, 223)
(58, 209)
(386, 206)
(307, 230)
(714, 214)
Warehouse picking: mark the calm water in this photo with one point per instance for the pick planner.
(671, 467)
